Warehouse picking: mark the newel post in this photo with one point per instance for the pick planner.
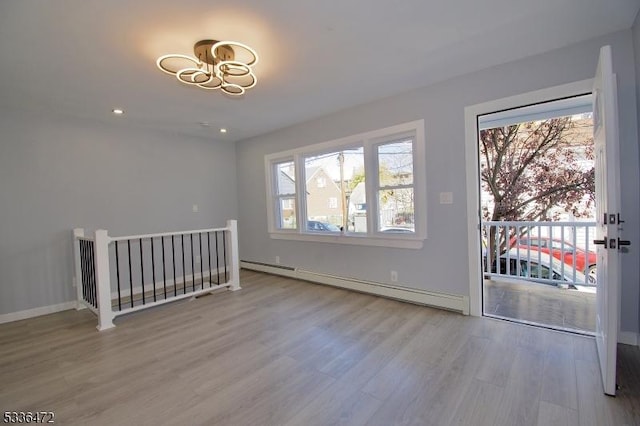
(235, 258)
(103, 281)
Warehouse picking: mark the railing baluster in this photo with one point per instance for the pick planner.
(83, 268)
(173, 257)
(508, 259)
(209, 255)
(574, 256)
(93, 276)
(92, 285)
(153, 269)
(539, 270)
(586, 249)
(562, 253)
(142, 271)
(217, 260)
(118, 277)
(529, 252)
(224, 250)
(193, 266)
(184, 271)
(87, 271)
(164, 270)
(82, 280)
(201, 262)
(130, 272)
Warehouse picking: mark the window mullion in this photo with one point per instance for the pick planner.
(301, 193)
(408, 186)
(370, 185)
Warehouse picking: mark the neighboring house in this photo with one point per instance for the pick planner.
(323, 197)
(287, 185)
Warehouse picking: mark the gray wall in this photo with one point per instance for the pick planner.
(58, 173)
(441, 265)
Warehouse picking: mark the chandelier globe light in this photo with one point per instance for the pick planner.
(224, 65)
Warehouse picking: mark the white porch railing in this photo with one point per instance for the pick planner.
(118, 275)
(556, 253)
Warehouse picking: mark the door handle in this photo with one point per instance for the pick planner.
(623, 243)
(602, 242)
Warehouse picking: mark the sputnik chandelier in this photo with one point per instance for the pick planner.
(224, 65)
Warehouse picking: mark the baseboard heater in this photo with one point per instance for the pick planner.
(452, 302)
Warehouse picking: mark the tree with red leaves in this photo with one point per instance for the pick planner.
(535, 171)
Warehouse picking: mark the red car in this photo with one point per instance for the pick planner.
(585, 262)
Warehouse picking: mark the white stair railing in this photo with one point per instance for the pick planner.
(152, 269)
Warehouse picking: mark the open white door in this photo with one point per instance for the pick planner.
(605, 132)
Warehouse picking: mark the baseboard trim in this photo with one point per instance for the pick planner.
(36, 312)
(451, 302)
(628, 338)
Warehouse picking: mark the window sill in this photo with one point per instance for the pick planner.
(414, 242)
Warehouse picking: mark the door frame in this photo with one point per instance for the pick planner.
(471, 114)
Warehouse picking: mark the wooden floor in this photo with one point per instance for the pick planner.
(541, 304)
(285, 352)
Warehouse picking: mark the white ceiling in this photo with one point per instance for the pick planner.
(81, 58)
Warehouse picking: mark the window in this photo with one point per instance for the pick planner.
(395, 186)
(335, 184)
(285, 194)
(332, 204)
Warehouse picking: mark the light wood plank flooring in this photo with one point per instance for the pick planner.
(285, 352)
(541, 304)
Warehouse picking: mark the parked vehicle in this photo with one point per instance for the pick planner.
(561, 250)
(540, 267)
(314, 225)
(398, 230)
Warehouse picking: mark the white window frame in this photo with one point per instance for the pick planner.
(377, 187)
(369, 141)
(272, 189)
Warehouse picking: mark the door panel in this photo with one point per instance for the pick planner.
(605, 130)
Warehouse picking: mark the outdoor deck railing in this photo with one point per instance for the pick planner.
(119, 275)
(556, 253)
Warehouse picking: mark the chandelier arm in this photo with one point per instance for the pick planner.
(219, 44)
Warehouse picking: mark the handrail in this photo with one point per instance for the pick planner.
(166, 234)
(529, 223)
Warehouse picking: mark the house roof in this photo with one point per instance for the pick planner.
(286, 183)
(81, 58)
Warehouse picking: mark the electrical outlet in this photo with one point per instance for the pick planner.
(394, 276)
(446, 198)
(197, 258)
(277, 260)
(195, 208)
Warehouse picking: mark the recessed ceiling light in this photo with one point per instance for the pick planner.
(205, 124)
(117, 111)
(223, 130)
